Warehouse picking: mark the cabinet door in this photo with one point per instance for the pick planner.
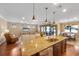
(44, 53)
(63, 44)
(50, 50)
(47, 52)
(57, 49)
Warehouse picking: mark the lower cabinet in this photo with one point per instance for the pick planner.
(59, 48)
(63, 47)
(47, 52)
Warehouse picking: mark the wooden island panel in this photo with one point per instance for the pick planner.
(60, 48)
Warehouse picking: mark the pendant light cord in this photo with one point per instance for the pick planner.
(33, 9)
(46, 13)
(54, 15)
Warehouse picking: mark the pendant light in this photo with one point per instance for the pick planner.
(54, 12)
(54, 16)
(46, 15)
(33, 18)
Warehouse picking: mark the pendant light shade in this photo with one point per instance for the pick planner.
(46, 14)
(54, 12)
(53, 22)
(46, 20)
(33, 18)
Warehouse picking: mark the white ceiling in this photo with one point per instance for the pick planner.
(15, 11)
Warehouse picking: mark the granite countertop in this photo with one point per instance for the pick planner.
(30, 47)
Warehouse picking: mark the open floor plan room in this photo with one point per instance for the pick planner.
(39, 29)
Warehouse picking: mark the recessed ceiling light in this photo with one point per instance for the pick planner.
(55, 3)
(21, 21)
(75, 18)
(23, 18)
(64, 10)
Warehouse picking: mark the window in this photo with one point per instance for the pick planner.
(49, 29)
(73, 29)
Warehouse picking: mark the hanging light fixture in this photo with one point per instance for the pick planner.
(54, 16)
(54, 12)
(46, 15)
(33, 18)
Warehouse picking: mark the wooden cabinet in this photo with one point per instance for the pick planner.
(47, 52)
(59, 48)
(44, 53)
(63, 47)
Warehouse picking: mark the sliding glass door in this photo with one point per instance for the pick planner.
(48, 29)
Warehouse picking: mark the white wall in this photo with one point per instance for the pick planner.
(16, 28)
(3, 26)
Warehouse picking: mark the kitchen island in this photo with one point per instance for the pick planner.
(40, 46)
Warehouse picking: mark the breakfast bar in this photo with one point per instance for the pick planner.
(40, 46)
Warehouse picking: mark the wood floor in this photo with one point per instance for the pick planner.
(10, 50)
(14, 50)
(72, 50)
